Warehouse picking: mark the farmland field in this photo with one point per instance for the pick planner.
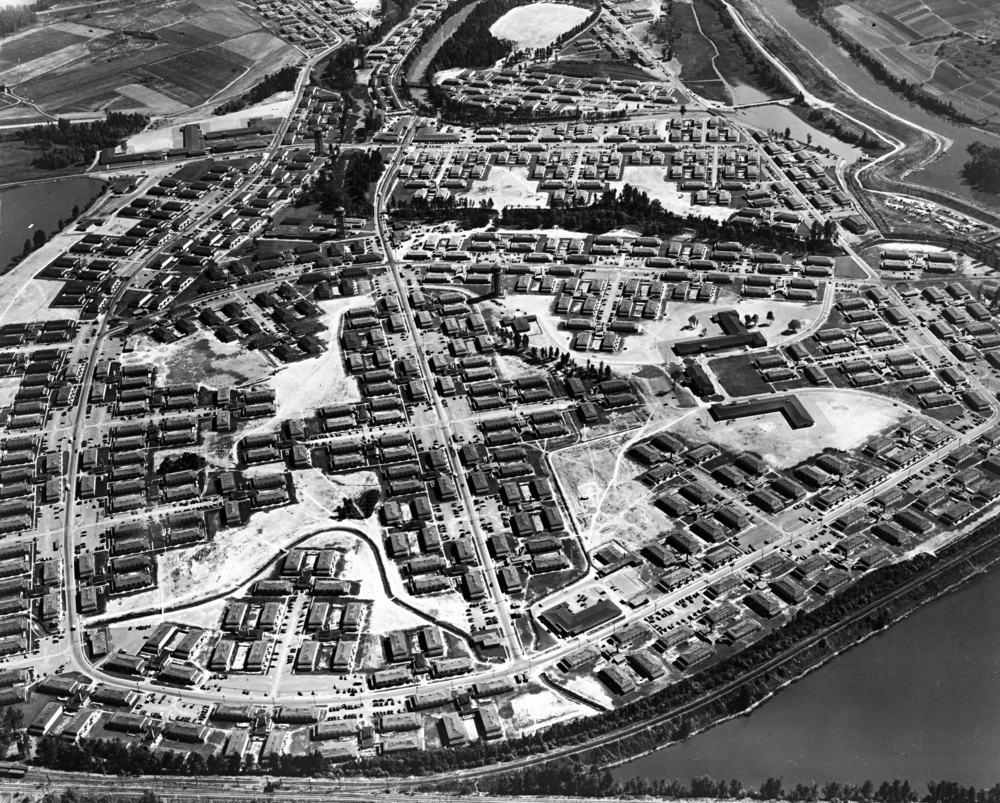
(944, 46)
(35, 44)
(141, 57)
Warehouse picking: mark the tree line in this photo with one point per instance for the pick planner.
(573, 779)
(281, 81)
(64, 144)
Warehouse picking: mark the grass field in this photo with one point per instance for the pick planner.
(35, 44)
(697, 55)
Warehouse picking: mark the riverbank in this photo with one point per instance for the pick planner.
(806, 759)
(929, 149)
(417, 72)
(859, 613)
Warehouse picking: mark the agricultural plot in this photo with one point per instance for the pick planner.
(195, 76)
(35, 44)
(935, 44)
(157, 63)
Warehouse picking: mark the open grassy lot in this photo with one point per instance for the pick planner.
(697, 55)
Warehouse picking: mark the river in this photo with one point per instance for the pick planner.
(919, 702)
(25, 209)
(942, 174)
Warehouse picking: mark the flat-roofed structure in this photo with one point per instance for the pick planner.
(789, 406)
(566, 623)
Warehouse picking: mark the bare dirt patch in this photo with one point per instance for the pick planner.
(844, 420)
(537, 25)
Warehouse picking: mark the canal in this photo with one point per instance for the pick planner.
(919, 702)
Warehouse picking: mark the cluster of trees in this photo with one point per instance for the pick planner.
(822, 236)
(982, 171)
(426, 35)
(633, 207)
(14, 18)
(345, 181)
(465, 216)
(185, 461)
(877, 67)
(472, 44)
(65, 144)
(339, 72)
(361, 506)
(740, 59)
(281, 81)
(565, 362)
(828, 122)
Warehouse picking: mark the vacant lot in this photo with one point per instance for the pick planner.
(507, 187)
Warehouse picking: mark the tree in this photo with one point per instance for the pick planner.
(693, 321)
(771, 789)
(27, 248)
(39, 238)
(788, 133)
(770, 316)
(794, 325)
